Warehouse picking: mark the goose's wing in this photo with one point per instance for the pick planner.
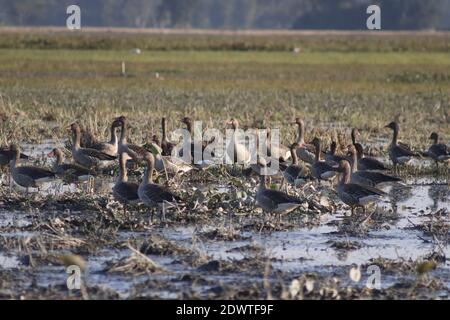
(75, 169)
(378, 177)
(439, 150)
(127, 190)
(359, 191)
(97, 154)
(159, 194)
(279, 197)
(35, 173)
(368, 163)
(402, 151)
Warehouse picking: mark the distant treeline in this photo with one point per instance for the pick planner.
(230, 14)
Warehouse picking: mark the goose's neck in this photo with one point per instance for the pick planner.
(163, 126)
(76, 136)
(59, 159)
(14, 162)
(294, 156)
(435, 140)
(345, 176)
(148, 175)
(395, 136)
(355, 161)
(262, 182)
(301, 134)
(317, 152)
(353, 137)
(113, 140)
(122, 169)
(123, 133)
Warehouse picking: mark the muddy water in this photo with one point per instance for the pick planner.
(292, 251)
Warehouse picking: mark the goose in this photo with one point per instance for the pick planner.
(152, 194)
(71, 172)
(305, 152)
(331, 157)
(196, 155)
(28, 176)
(236, 151)
(321, 170)
(439, 152)
(87, 157)
(110, 147)
(295, 174)
(128, 150)
(368, 178)
(275, 201)
(166, 145)
(123, 191)
(283, 153)
(355, 195)
(398, 153)
(367, 163)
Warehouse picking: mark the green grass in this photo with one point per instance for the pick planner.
(343, 88)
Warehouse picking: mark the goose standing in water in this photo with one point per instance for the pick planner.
(89, 158)
(355, 195)
(275, 201)
(28, 176)
(368, 178)
(367, 163)
(321, 170)
(331, 157)
(123, 191)
(283, 153)
(305, 152)
(295, 174)
(398, 153)
(128, 150)
(111, 147)
(70, 172)
(439, 152)
(152, 194)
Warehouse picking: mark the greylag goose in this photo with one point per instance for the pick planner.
(152, 194)
(129, 150)
(367, 163)
(368, 178)
(355, 195)
(398, 153)
(295, 174)
(166, 145)
(275, 201)
(321, 170)
(123, 191)
(196, 154)
(110, 147)
(283, 153)
(439, 152)
(235, 150)
(28, 176)
(305, 152)
(71, 172)
(89, 158)
(331, 157)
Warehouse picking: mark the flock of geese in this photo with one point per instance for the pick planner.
(357, 186)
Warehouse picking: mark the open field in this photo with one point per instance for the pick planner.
(221, 246)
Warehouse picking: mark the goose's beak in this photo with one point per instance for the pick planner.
(51, 154)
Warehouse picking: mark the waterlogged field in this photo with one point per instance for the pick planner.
(220, 245)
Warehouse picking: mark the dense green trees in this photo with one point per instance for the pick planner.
(237, 14)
